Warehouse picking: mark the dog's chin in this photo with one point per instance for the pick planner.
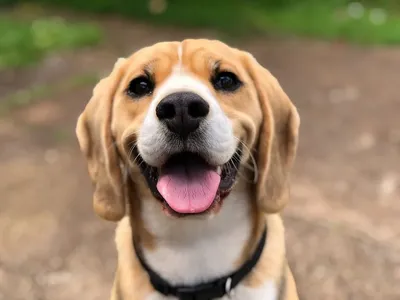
(186, 185)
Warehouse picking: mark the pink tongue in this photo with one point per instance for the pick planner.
(189, 189)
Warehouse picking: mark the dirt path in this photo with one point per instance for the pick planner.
(342, 223)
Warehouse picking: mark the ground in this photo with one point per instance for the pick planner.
(342, 222)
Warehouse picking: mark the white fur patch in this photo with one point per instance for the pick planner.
(195, 249)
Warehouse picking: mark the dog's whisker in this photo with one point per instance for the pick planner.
(133, 133)
(243, 176)
(247, 166)
(253, 160)
(231, 164)
(132, 148)
(136, 158)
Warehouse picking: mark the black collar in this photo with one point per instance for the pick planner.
(204, 291)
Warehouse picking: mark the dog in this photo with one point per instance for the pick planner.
(189, 146)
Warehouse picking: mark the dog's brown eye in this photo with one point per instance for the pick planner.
(226, 81)
(139, 87)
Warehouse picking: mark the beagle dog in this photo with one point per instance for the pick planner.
(189, 146)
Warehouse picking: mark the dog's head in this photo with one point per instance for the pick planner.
(188, 115)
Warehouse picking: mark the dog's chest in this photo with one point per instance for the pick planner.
(204, 249)
(268, 291)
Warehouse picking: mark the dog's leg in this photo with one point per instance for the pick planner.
(291, 290)
(116, 289)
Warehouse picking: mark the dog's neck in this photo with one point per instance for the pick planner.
(193, 250)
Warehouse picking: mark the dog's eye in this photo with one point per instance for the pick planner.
(226, 81)
(139, 87)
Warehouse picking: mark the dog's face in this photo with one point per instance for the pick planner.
(188, 115)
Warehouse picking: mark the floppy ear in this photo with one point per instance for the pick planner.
(93, 131)
(278, 136)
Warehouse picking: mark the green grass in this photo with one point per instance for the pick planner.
(327, 19)
(24, 42)
(329, 22)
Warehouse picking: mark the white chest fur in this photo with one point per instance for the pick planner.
(201, 249)
(198, 249)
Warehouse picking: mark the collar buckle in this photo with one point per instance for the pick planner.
(228, 287)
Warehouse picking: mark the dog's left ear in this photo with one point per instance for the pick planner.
(278, 137)
(94, 135)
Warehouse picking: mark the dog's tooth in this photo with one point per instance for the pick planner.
(219, 170)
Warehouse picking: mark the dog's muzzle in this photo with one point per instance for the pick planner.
(188, 174)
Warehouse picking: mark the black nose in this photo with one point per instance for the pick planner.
(182, 112)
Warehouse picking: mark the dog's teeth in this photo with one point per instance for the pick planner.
(219, 170)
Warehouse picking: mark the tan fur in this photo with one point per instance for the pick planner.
(291, 290)
(263, 118)
(132, 281)
(270, 264)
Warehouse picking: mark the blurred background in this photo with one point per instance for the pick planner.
(339, 62)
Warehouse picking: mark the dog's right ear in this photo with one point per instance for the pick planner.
(94, 135)
(278, 138)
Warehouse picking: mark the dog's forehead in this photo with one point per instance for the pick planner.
(190, 53)
(156, 52)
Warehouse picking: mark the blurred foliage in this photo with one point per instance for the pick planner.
(329, 19)
(357, 24)
(23, 42)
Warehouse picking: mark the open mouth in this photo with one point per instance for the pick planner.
(187, 184)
